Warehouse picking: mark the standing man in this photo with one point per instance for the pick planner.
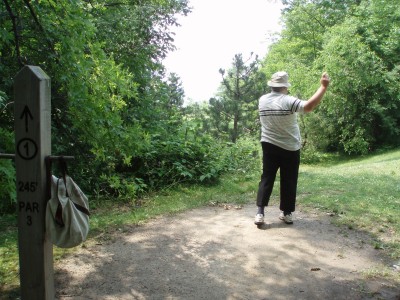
(281, 142)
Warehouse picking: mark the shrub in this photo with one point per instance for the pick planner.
(7, 174)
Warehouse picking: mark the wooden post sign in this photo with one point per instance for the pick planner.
(33, 143)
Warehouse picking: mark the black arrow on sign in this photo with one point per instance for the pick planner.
(26, 113)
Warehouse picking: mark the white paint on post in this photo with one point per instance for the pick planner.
(32, 112)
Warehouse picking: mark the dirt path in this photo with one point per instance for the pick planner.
(217, 253)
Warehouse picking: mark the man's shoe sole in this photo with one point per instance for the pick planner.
(283, 219)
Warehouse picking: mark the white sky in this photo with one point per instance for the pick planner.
(212, 34)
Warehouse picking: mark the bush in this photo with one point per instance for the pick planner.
(242, 156)
(8, 194)
(180, 159)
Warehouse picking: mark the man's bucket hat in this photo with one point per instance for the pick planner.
(279, 79)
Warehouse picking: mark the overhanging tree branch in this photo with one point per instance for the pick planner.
(35, 18)
(15, 30)
(37, 22)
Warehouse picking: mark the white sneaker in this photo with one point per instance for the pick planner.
(287, 219)
(259, 219)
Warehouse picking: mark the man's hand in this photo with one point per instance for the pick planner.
(317, 97)
(325, 80)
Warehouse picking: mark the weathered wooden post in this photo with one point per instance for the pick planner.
(32, 113)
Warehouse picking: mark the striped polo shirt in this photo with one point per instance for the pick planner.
(279, 120)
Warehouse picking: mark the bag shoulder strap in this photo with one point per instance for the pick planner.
(81, 208)
(58, 217)
(73, 191)
(63, 167)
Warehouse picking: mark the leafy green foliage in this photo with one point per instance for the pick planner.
(182, 161)
(365, 100)
(354, 42)
(7, 173)
(109, 92)
(7, 187)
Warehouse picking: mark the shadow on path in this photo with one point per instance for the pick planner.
(212, 253)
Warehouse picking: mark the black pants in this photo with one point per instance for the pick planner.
(288, 162)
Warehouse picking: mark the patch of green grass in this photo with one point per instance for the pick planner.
(8, 252)
(230, 189)
(364, 193)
